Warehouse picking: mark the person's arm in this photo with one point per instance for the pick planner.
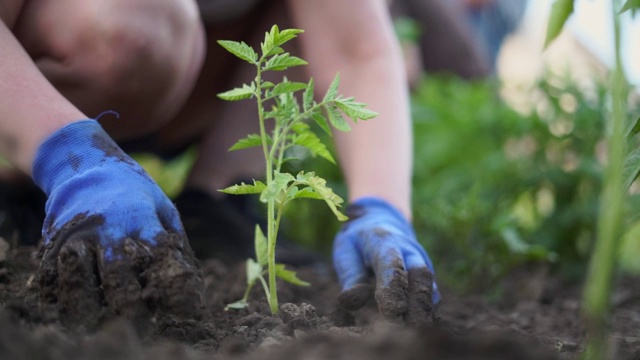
(356, 39)
(31, 109)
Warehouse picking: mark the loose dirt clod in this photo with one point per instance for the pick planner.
(137, 281)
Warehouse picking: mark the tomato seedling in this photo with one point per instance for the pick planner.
(289, 129)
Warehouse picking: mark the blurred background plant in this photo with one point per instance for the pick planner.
(495, 188)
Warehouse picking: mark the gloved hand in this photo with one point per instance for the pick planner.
(111, 236)
(378, 238)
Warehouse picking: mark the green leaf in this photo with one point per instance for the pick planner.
(282, 62)
(632, 5)
(355, 110)
(307, 193)
(245, 92)
(238, 305)
(287, 35)
(291, 192)
(286, 87)
(319, 185)
(267, 84)
(332, 93)
(279, 184)
(240, 49)
(261, 246)
(307, 99)
(287, 159)
(336, 118)
(275, 51)
(275, 38)
(560, 12)
(286, 108)
(289, 276)
(631, 167)
(243, 189)
(304, 177)
(252, 140)
(254, 271)
(322, 122)
(634, 128)
(310, 141)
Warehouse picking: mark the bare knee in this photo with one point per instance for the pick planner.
(139, 58)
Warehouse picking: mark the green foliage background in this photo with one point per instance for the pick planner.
(495, 188)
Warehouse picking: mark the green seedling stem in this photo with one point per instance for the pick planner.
(601, 275)
(272, 229)
(289, 130)
(602, 268)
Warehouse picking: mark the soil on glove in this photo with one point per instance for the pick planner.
(310, 325)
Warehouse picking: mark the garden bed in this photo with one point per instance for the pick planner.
(310, 326)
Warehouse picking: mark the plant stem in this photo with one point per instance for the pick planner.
(266, 289)
(601, 273)
(271, 236)
(273, 303)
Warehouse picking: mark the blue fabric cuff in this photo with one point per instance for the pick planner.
(69, 151)
(379, 205)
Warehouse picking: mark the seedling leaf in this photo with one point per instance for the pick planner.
(245, 92)
(287, 108)
(332, 93)
(634, 128)
(307, 99)
(282, 62)
(254, 271)
(279, 184)
(275, 51)
(632, 5)
(321, 120)
(252, 140)
(289, 276)
(275, 38)
(286, 35)
(287, 87)
(355, 110)
(631, 167)
(238, 305)
(243, 189)
(336, 118)
(307, 193)
(319, 185)
(240, 49)
(310, 141)
(560, 12)
(260, 244)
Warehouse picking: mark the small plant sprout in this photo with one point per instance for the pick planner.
(289, 128)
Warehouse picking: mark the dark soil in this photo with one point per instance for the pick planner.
(545, 325)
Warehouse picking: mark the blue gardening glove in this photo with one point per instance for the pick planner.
(111, 236)
(377, 238)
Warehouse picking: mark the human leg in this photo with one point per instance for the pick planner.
(138, 58)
